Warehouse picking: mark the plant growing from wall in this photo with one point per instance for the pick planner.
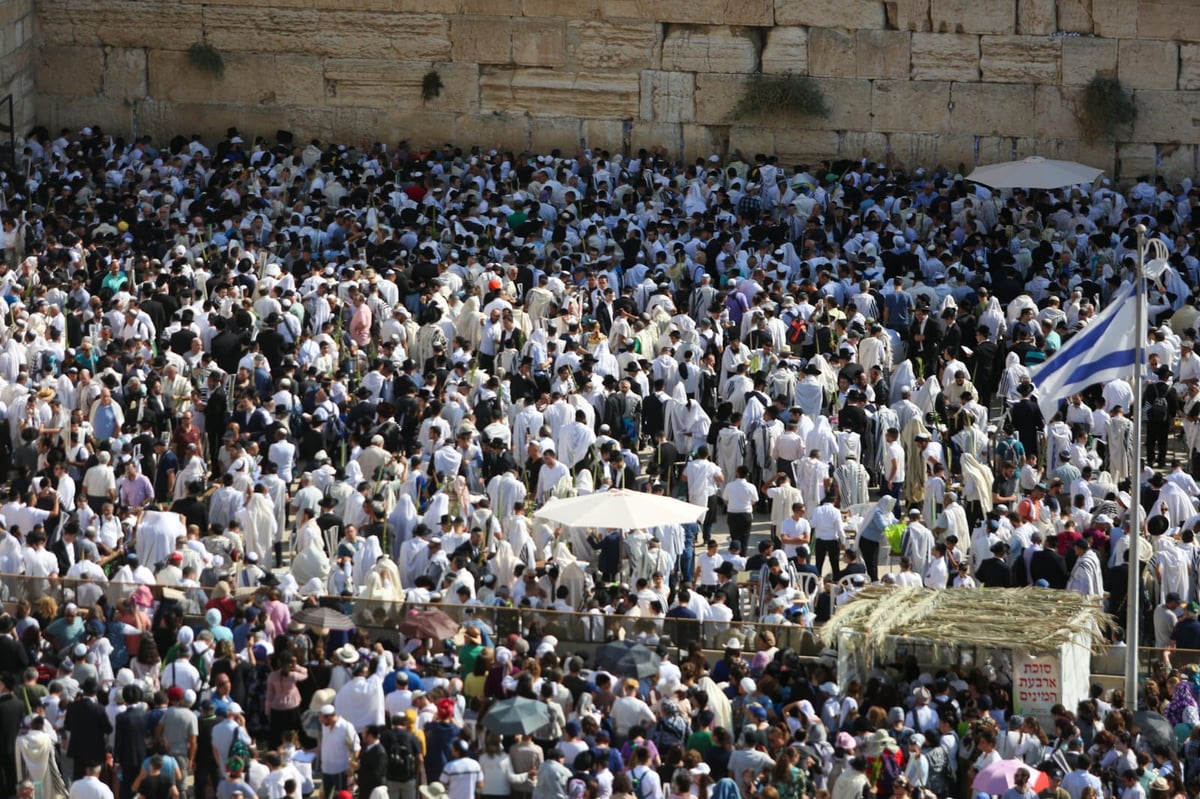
(1104, 109)
(431, 85)
(773, 95)
(206, 58)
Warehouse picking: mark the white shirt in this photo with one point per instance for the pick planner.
(337, 743)
(740, 496)
(182, 674)
(708, 567)
(701, 476)
(827, 523)
(90, 788)
(461, 777)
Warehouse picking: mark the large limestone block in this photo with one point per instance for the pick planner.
(849, 102)
(548, 92)
(276, 30)
(668, 96)
(702, 141)
(832, 53)
(550, 133)
(1189, 67)
(567, 9)
(710, 49)
(852, 14)
(69, 71)
(786, 51)
(1019, 59)
(1177, 161)
(539, 42)
(1054, 112)
(503, 131)
(57, 112)
(481, 40)
(1075, 16)
(626, 44)
(1168, 19)
(1084, 57)
(913, 150)
(749, 140)
(361, 34)
(1148, 64)
(716, 97)
(883, 54)
(172, 26)
(915, 106)
(395, 6)
(991, 109)
(759, 13)
(1112, 19)
(971, 16)
(1166, 116)
(248, 78)
(909, 15)
(652, 135)
(945, 56)
(395, 84)
(1136, 160)
(604, 134)
(124, 75)
(510, 8)
(1037, 17)
(797, 145)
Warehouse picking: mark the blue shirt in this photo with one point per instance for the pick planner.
(104, 426)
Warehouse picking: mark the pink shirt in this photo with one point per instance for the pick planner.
(278, 617)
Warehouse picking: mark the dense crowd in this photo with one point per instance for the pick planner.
(246, 382)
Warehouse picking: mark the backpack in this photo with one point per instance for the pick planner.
(1160, 411)
(114, 631)
(664, 735)
(401, 762)
(637, 782)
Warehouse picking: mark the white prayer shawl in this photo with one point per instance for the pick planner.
(914, 467)
(364, 559)
(402, 521)
(572, 575)
(259, 525)
(1058, 440)
(311, 562)
(885, 419)
(955, 518)
(810, 395)
(926, 396)
(469, 324)
(277, 491)
(993, 319)
(852, 482)
(671, 537)
(904, 376)
(1179, 507)
(718, 702)
(848, 444)
(977, 483)
(439, 506)
(504, 564)
(971, 441)
(1174, 576)
(689, 424)
(823, 440)
(731, 451)
(1120, 448)
(810, 476)
(36, 762)
(917, 544)
(157, 534)
(781, 504)
(1086, 577)
(361, 702)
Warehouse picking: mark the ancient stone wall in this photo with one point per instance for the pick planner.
(16, 63)
(950, 81)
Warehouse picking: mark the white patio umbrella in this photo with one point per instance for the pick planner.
(620, 510)
(1035, 172)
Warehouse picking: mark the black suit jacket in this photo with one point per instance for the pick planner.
(12, 711)
(13, 658)
(60, 551)
(129, 743)
(87, 724)
(372, 769)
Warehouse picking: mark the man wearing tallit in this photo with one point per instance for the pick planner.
(812, 478)
(1086, 577)
(259, 524)
(852, 482)
(1120, 445)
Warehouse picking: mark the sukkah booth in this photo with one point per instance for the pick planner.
(1035, 642)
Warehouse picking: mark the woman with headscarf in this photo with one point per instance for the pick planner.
(871, 533)
(1183, 708)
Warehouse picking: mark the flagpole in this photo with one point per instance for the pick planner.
(1134, 525)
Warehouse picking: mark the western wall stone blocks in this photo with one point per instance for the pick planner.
(883, 54)
(1168, 19)
(832, 52)
(1145, 64)
(1075, 16)
(539, 42)
(910, 106)
(849, 102)
(124, 74)
(1165, 116)
(604, 133)
(710, 49)
(1189, 67)
(694, 12)
(1085, 57)
(1037, 17)
(909, 15)
(1054, 112)
(567, 9)
(404, 37)
(276, 30)
(668, 96)
(481, 40)
(991, 109)
(716, 97)
(354, 82)
(109, 22)
(945, 56)
(621, 45)
(1113, 19)
(752, 140)
(549, 92)
(499, 130)
(555, 132)
(652, 135)
(797, 144)
(851, 14)
(786, 51)
(69, 71)
(1019, 59)
(970, 16)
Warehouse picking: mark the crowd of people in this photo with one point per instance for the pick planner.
(244, 381)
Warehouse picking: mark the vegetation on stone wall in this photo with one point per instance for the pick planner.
(206, 58)
(1104, 109)
(431, 85)
(775, 95)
